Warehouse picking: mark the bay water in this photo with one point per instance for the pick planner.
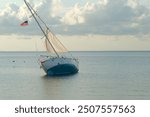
(102, 76)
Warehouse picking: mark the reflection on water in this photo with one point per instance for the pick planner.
(102, 75)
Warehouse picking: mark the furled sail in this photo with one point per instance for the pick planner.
(53, 44)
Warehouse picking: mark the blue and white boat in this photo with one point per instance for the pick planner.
(58, 64)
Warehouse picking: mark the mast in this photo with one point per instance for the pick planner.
(34, 12)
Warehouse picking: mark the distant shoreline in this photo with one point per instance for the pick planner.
(82, 51)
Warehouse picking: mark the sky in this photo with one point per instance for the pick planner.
(81, 25)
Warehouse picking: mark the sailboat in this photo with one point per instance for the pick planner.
(58, 64)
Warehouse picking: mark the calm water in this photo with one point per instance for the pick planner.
(103, 75)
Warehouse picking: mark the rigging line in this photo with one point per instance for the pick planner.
(44, 23)
(37, 52)
(37, 15)
(27, 4)
(54, 36)
(26, 15)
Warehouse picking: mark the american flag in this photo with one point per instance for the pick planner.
(25, 23)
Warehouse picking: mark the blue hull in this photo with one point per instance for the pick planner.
(62, 69)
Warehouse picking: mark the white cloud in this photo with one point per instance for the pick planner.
(103, 2)
(112, 18)
(12, 15)
(133, 3)
(74, 16)
(57, 8)
(108, 17)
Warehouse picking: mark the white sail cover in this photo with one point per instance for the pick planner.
(55, 45)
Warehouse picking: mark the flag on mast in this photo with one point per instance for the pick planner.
(25, 23)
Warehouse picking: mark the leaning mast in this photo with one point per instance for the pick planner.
(34, 12)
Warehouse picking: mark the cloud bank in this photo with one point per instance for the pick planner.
(104, 17)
